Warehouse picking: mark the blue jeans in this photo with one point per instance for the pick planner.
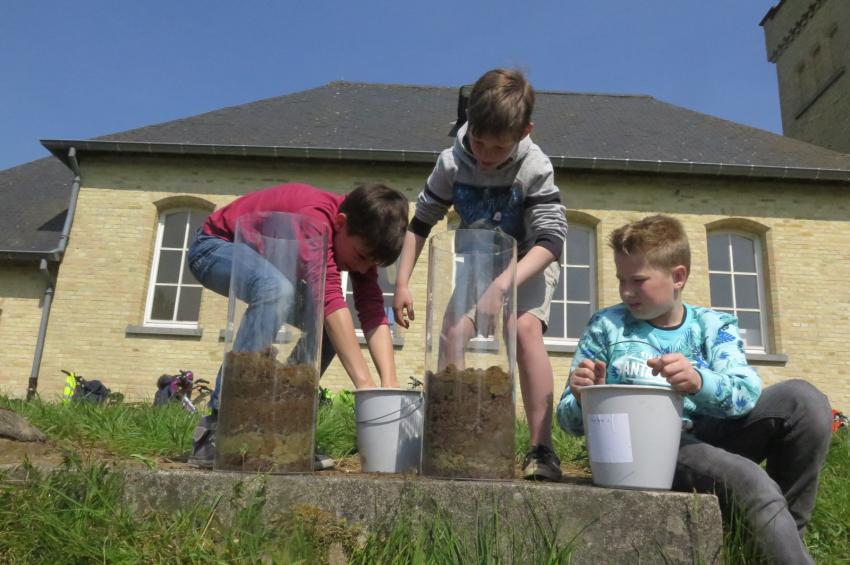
(790, 428)
(263, 287)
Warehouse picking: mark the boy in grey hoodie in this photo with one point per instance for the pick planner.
(497, 178)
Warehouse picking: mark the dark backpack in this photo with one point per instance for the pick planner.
(91, 391)
(163, 390)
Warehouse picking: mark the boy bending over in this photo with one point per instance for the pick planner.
(730, 424)
(366, 229)
(497, 178)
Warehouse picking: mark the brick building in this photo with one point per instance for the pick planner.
(768, 218)
(809, 41)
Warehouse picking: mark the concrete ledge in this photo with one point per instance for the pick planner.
(608, 525)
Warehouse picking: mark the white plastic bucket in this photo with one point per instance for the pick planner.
(389, 429)
(632, 434)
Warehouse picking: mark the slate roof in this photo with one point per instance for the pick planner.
(364, 116)
(34, 200)
(399, 122)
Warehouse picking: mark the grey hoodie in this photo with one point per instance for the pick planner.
(519, 197)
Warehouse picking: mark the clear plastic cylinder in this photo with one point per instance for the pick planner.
(470, 356)
(273, 342)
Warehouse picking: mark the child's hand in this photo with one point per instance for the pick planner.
(586, 374)
(678, 371)
(403, 306)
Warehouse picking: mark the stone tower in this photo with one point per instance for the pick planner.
(809, 41)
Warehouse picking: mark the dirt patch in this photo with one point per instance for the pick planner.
(268, 415)
(38, 453)
(469, 424)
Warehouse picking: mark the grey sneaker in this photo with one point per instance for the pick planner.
(541, 464)
(203, 443)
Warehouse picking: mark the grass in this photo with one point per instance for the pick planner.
(74, 515)
(122, 429)
(828, 535)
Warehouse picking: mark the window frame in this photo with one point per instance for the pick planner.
(593, 291)
(148, 322)
(345, 282)
(761, 290)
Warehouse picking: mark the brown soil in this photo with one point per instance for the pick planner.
(469, 424)
(40, 453)
(268, 415)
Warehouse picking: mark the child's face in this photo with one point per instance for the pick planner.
(491, 151)
(350, 252)
(650, 293)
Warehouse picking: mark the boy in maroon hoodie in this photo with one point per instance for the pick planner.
(366, 229)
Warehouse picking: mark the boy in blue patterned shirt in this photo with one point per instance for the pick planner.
(731, 425)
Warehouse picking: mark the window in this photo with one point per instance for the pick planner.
(737, 283)
(174, 296)
(386, 280)
(574, 300)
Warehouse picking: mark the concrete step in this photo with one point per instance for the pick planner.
(606, 525)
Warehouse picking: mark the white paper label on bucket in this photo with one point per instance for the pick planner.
(610, 438)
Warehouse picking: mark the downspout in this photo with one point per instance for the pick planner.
(50, 280)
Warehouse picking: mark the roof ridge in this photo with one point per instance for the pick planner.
(438, 87)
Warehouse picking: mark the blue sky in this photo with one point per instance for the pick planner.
(87, 68)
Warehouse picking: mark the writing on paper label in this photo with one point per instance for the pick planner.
(609, 438)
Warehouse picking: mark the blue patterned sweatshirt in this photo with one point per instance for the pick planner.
(710, 339)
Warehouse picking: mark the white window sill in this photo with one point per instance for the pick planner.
(766, 358)
(398, 341)
(164, 331)
(560, 347)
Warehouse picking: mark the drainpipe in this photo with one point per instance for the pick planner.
(50, 280)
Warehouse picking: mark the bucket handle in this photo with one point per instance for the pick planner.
(415, 406)
(608, 348)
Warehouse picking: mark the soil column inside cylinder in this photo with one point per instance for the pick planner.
(269, 396)
(470, 357)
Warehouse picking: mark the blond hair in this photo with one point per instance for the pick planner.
(660, 239)
(500, 103)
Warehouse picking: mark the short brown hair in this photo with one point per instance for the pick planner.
(378, 215)
(660, 239)
(500, 103)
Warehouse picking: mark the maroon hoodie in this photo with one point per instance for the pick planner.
(322, 207)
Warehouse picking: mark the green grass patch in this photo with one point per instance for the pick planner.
(828, 535)
(81, 500)
(125, 429)
(336, 429)
(76, 514)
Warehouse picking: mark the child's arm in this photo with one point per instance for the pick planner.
(545, 214)
(380, 343)
(589, 367)
(403, 299)
(730, 387)
(340, 328)
(534, 262)
(431, 207)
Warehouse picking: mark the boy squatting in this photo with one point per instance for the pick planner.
(731, 425)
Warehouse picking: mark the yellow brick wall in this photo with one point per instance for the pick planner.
(21, 293)
(807, 235)
(105, 274)
(104, 279)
